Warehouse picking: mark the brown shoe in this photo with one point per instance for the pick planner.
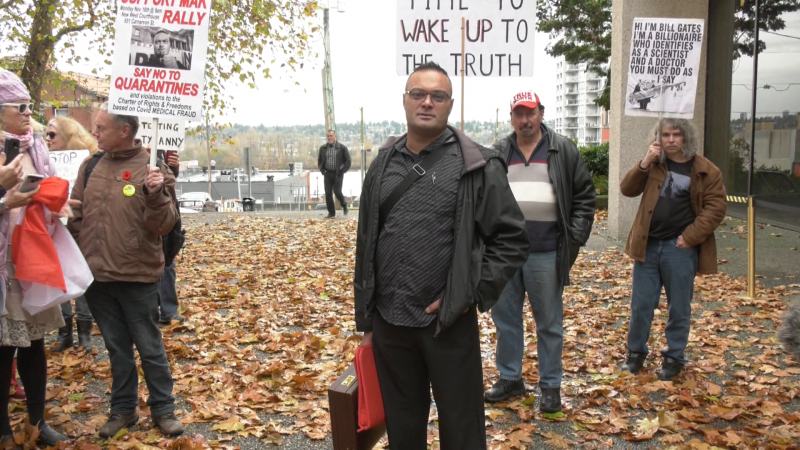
(169, 424)
(117, 422)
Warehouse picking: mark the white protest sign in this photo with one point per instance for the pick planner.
(67, 163)
(499, 36)
(171, 133)
(664, 67)
(160, 58)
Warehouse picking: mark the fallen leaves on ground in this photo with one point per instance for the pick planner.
(270, 326)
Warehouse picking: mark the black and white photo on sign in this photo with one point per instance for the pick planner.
(664, 67)
(161, 48)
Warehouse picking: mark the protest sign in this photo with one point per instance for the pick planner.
(664, 67)
(67, 163)
(160, 58)
(499, 36)
(171, 133)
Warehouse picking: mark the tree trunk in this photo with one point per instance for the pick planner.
(40, 49)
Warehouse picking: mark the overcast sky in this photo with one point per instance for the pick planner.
(363, 51)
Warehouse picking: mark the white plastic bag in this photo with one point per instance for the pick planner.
(77, 275)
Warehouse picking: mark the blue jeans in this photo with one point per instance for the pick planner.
(81, 310)
(167, 295)
(538, 277)
(127, 315)
(673, 268)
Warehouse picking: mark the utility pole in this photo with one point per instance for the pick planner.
(249, 171)
(363, 150)
(496, 122)
(327, 79)
(208, 153)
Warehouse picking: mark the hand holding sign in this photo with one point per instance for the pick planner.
(154, 179)
(653, 155)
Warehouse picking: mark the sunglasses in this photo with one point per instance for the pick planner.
(23, 107)
(51, 135)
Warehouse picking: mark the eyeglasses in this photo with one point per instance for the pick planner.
(418, 95)
(23, 107)
(51, 135)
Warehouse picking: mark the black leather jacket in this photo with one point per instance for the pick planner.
(491, 242)
(575, 194)
(343, 158)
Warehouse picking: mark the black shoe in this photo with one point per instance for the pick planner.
(634, 362)
(50, 437)
(551, 400)
(117, 422)
(7, 443)
(168, 320)
(65, 337)
(345, 209)
(669, 369)
(504, 390)
(85, 335)
(330, 216)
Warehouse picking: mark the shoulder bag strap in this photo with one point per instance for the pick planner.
(416, 172)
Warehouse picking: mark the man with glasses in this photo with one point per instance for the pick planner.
(555, 192)
(439, 234)
(333, 162)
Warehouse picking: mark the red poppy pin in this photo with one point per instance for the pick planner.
(126, 175)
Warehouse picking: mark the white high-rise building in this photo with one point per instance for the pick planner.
(577, 116)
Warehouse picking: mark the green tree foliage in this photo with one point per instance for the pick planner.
(246, 39)
(581, 30)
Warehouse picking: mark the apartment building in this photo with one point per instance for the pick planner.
(576, 114)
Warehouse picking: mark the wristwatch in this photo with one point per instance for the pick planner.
(3, 206)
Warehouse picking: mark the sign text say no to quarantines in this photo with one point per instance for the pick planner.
(160, 58)
(498, 41)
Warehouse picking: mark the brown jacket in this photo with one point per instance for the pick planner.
(120, 235)
(708, 204)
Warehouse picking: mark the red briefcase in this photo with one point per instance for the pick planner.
(343, 404)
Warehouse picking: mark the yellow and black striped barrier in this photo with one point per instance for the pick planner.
(737, 199)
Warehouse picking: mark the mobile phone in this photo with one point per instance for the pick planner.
(171, 153)
(31, 182)
(11, 149)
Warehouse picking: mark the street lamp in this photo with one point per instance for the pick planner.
(327, 78)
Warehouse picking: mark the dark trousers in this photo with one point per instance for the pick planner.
(167, 295)
(32, 368)
(127, 315)
(410, 361)
(333, 185)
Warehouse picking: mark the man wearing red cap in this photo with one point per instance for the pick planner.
(556, 195)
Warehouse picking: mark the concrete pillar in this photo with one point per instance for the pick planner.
(718, 87)
(631, 136)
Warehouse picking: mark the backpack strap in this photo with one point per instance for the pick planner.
(87, 171)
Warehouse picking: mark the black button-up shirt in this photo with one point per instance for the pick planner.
(415, 247)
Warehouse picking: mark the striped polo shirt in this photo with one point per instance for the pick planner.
(535, 193)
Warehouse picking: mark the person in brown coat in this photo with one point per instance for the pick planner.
(672, 237)
(124, 207)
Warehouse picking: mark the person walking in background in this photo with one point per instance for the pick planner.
(64, 133)
(671, 239)
(555, 192)
(20, 332)
(333, 162)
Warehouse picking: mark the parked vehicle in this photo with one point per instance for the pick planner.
(206, 203)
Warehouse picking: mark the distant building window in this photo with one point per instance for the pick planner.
(62, 112)
(136, 32)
